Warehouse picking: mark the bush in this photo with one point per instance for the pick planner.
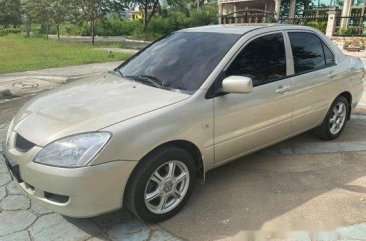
(117, 27)
(175, 20)
(346, 32)
(321, 25)
(165, 22)
(199, 18)
(6, 31)
(82, 29)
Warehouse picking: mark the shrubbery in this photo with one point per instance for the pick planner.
(5, 31)
(347, 32)
(165, 22)
(159, 25)
(320, 25)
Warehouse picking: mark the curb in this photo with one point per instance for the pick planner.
(6, 94)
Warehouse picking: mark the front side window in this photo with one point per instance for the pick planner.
(181, 61)
(263, 60)
(309, 52)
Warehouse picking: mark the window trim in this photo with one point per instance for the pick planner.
(321, 40)
(325, 59)
(212, 91)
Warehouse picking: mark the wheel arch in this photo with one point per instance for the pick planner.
(188, 146)
(348, 96)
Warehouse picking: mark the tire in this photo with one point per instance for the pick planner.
(143, 183)
(328, 130)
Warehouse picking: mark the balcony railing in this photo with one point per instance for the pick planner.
(232, 1)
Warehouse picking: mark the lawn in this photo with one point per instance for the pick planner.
(18, 53)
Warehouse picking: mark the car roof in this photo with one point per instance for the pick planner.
(242, 28)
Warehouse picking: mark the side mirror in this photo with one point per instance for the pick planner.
(237, 84)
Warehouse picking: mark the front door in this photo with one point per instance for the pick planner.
(246, 122)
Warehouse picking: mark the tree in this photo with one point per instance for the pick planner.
(61, 12)
(41, 12)
(19, 9)
(48, 12)
(94, 10)
(8, 11)
(149, 7)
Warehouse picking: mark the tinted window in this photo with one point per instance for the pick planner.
(307, 50)
(329, 58)
(180, 61)
(263, 60)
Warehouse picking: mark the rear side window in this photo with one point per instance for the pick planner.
(329, 57)
(263, 60)
(309, 52)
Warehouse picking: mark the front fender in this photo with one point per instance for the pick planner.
(190, 120)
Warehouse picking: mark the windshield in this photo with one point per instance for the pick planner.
(181, 61)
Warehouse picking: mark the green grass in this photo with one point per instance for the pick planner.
(18, 53)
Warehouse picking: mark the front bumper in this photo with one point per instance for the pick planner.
(75, 192)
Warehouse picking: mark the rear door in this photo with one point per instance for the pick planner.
(314, 84)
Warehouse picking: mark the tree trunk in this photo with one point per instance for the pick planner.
(148, 17)
(27, 25)
(93, 31)
(58, 31)
(47, 30)
(27, 29)
(145, 17)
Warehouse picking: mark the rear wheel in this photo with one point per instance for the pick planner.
(335, 119)
(161, 184)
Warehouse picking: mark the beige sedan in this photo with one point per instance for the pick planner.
(142, 135)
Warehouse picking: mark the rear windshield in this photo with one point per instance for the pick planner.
(181, 61)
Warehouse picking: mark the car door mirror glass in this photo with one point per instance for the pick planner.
(237, 84)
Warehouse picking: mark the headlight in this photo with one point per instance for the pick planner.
(73, 151)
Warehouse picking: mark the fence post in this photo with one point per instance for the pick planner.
(331, 24)
(221, 12)
(277, 9)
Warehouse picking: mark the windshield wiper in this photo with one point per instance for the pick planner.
(147, 79)
(116, 72)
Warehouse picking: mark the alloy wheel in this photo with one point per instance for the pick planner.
(167, 187)
(338, 118)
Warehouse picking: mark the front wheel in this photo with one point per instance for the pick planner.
(161, 184)
(335, 119)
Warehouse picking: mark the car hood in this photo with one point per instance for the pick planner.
(88, 105)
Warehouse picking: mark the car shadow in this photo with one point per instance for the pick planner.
(270, 192)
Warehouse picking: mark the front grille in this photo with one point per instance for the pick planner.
(23, 144)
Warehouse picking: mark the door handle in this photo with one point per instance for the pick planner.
(283, 89)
